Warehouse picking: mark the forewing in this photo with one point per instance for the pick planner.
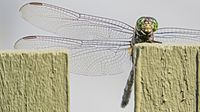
(69, 23)
(86, 57)
(173, 35)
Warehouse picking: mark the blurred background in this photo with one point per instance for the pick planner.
(100, 94)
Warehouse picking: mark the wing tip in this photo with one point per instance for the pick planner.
(31, 3)
(16, 45)
(29, 37)
(36, 3)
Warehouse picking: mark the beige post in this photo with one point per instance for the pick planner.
(167, 78)
(34, 81)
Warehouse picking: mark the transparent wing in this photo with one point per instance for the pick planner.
(69, 23)
(173, 35)
(87, 57)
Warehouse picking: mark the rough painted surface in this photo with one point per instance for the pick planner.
(32, 81)
(198, 83)
(166, 78)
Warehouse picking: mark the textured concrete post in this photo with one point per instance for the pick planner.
(32, 81)
(167, 78)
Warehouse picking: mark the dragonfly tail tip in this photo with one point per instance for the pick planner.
(123, 104)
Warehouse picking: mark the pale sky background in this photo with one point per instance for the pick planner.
(100, 94)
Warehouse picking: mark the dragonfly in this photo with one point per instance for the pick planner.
(98, 46)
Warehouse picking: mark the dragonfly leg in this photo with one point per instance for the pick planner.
(154, 41)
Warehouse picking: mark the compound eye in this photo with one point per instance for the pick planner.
(155, 24)
(140, 22)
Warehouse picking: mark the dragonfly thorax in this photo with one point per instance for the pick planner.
(141, 37)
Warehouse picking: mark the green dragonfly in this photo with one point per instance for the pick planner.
(97, 45)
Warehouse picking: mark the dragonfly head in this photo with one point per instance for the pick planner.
(146, 25)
